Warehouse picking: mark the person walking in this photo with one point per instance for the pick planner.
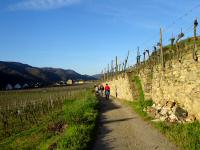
(101, 89)
(96, 89)
(107, 91)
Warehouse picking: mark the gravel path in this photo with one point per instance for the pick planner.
(122, 129)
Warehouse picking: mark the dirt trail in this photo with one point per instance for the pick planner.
(122, 129)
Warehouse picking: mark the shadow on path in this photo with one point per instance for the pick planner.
(122, 129)
(107, 105)
(102, 142)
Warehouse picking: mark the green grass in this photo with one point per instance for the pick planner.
(138, 107)
(79, 116)
(138, 84)
(186, 136)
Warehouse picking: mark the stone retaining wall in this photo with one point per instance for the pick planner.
(179, 82)
(122, 87)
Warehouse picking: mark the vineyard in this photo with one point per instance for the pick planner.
(36, 113)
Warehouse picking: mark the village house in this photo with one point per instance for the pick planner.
(81, 82)
(17, 86)
(25, 86)
(76, 82)
(56, 84)
(62, 83)
(37, 85)
(9, 87)
(69, 82)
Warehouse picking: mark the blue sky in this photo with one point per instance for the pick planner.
(85, 35)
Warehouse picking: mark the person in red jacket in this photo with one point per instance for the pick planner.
(107, 91)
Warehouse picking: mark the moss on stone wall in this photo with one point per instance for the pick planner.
(138, 84)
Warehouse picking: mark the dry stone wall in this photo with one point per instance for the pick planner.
(179, 82)
(121, 87)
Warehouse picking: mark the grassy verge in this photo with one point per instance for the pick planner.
(82, 118)
(186, 136)
(72, 128)
(138, 107)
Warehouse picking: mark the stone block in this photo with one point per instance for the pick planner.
(190, 118)
(170, 104)
(181, 113)
(152, 112)
(172, 118)
(163, 118)
(163, 111)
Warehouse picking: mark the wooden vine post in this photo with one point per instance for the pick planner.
(161, 50)
(108, 72)
(195, 29)
(171, 52)
(154, 55)
(172, 45)
(138, 59)
(147, 51)
(120, 67)
(105, 75)
(148, 57)
(195, 57)
(177, 46)
(144, 58)
(113, 69)
(138, 56)
(126, 61)
(116, 67)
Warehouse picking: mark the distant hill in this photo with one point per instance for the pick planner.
(97, 76)
(14, 72)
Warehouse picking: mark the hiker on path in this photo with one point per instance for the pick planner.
(107, 91)
(96, 89)
(101, 89)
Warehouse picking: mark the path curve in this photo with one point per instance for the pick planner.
(122, 129)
